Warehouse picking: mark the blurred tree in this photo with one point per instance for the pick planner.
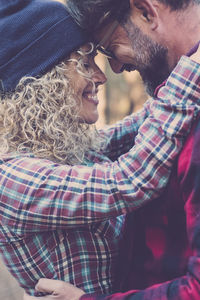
(123, 94)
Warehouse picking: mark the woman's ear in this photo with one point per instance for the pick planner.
(146, 11)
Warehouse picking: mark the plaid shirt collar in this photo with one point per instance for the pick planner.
(191, 51)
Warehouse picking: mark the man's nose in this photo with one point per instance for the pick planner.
(115, 65)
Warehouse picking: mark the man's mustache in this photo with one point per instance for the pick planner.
(128, 68)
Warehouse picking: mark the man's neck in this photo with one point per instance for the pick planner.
(187, 32)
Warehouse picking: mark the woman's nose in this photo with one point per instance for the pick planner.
(99, 77)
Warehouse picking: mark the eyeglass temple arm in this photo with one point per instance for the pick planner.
(109, 33)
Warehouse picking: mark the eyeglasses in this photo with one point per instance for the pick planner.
(101, 45)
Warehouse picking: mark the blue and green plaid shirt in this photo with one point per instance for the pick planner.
(60, 221)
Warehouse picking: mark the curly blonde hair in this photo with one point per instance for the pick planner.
(42, 117)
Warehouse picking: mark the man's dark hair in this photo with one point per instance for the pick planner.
(89, 13)
(179, 4)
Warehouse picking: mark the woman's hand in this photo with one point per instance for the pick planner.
(58, 290)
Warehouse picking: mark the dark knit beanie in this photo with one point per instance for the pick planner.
(35, 35)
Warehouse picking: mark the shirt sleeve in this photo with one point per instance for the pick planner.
(186, 287)
(120, 137)
(54, 196)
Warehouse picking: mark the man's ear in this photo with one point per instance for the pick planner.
(146, 11)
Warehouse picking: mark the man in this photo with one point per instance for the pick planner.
(160, 259)
(149, 35)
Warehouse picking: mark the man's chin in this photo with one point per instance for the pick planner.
(150, 87)
(152, 83)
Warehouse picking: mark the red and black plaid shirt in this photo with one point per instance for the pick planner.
(160, 253)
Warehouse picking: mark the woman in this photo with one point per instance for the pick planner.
(58, 219)
(49, 117)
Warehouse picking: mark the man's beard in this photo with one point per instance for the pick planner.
(150, 58)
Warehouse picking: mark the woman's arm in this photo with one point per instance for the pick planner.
(51, 196)
(120, 137)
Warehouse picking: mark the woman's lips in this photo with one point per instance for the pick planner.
(91, 96)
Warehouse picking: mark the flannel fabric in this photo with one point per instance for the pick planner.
(59, 221)
(160, 253)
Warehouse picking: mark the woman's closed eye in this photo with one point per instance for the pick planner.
(86, 65)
